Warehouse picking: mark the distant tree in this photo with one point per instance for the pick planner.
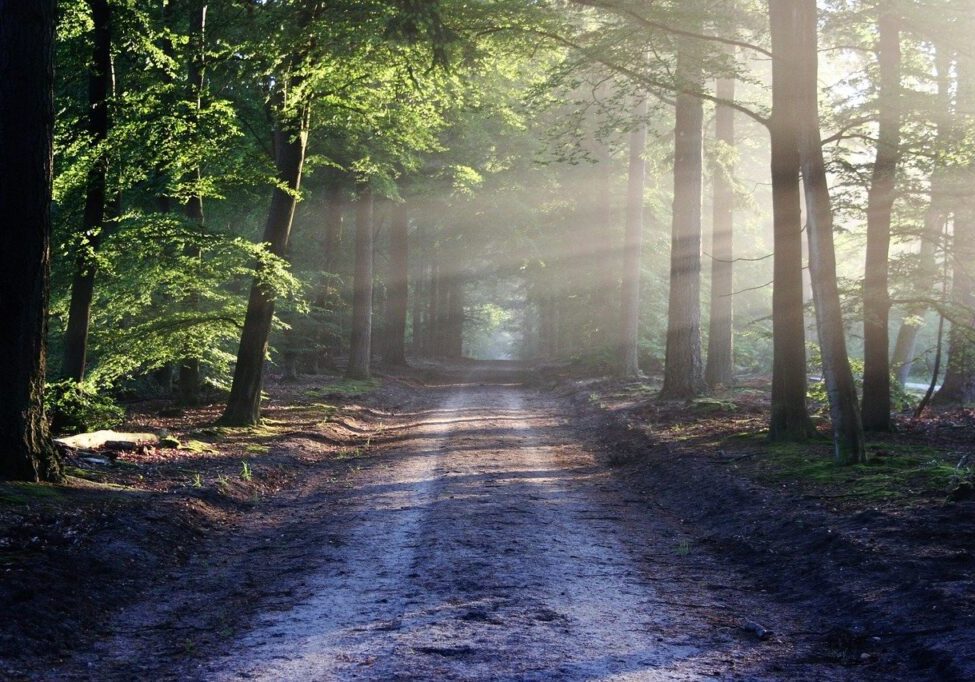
(360, 344)
(633, 244)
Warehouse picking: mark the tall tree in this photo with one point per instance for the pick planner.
(789, 415)
(398, 286)
(684, 370)
(26, 138)
(100, 78)
(844, 410)
(290, 139)
(934, 221)
(720, 362)
(360, 343)
(189, 368)
(958, 386)
(632, 248)
(880, 202)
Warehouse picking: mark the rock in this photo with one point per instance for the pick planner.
(97, 440)
(169, 442)
(754, 628)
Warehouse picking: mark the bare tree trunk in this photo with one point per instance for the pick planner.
(684, 371)
(880, 202)
(420, 291)
(244, 403)
(790, 417)
(360, 344)
(26, 137)
(632, 247)
(844, 410)
(93, 225)
(398, 303)
(720, 363)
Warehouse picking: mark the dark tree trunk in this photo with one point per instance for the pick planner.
(83, 283)
(398, 286)
(244, 403)
(684, 371)
(189, 369)
(632, 250)
(958, 386)
(720, 364)
(789, 415)
(843, 406)
(880, 203)
(26, 132)
(360, 344)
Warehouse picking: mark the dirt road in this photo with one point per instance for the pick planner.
(485, 543)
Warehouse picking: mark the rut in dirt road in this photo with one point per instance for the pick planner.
(491, 546)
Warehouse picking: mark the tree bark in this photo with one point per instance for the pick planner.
(244, 403)
(880, 202)
(684, 371)
(398, 286)
(419, 291)
(789, 416)
(848, 439)
(360, 344)
(26, 138)
(93, 221)
(720, 363)
(632, 250)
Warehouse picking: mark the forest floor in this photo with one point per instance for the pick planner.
(486, 522)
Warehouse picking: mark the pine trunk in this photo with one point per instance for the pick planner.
(360, 343)
(93, 225)
(244, 403)
(880, 202)
(789, 415)
(720, 363)
(26, 136)
(684, 371)
(844, 409)
(632, 250)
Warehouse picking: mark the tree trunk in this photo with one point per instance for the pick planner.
(189, 369)
(360, 344)
(26, 134)
(789, 416)
(419, 292)
(454, 329)
(83, 283)
(632, 250)
(880, 202)
(398, 286)
(844, 409)
(684, 371)
(958, 386)
(720, 363)
(433, 309)
(244, 404)
(934, 222)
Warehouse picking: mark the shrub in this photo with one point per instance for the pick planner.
(79, 407)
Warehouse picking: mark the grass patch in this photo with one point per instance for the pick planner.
(894, 471)
(344, 388)
(19, 494)
(257, 449)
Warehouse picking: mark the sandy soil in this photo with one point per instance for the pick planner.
(479, 538)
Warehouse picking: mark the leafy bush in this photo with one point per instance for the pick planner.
(79, 407)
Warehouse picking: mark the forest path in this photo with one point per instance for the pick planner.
(488, 544)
